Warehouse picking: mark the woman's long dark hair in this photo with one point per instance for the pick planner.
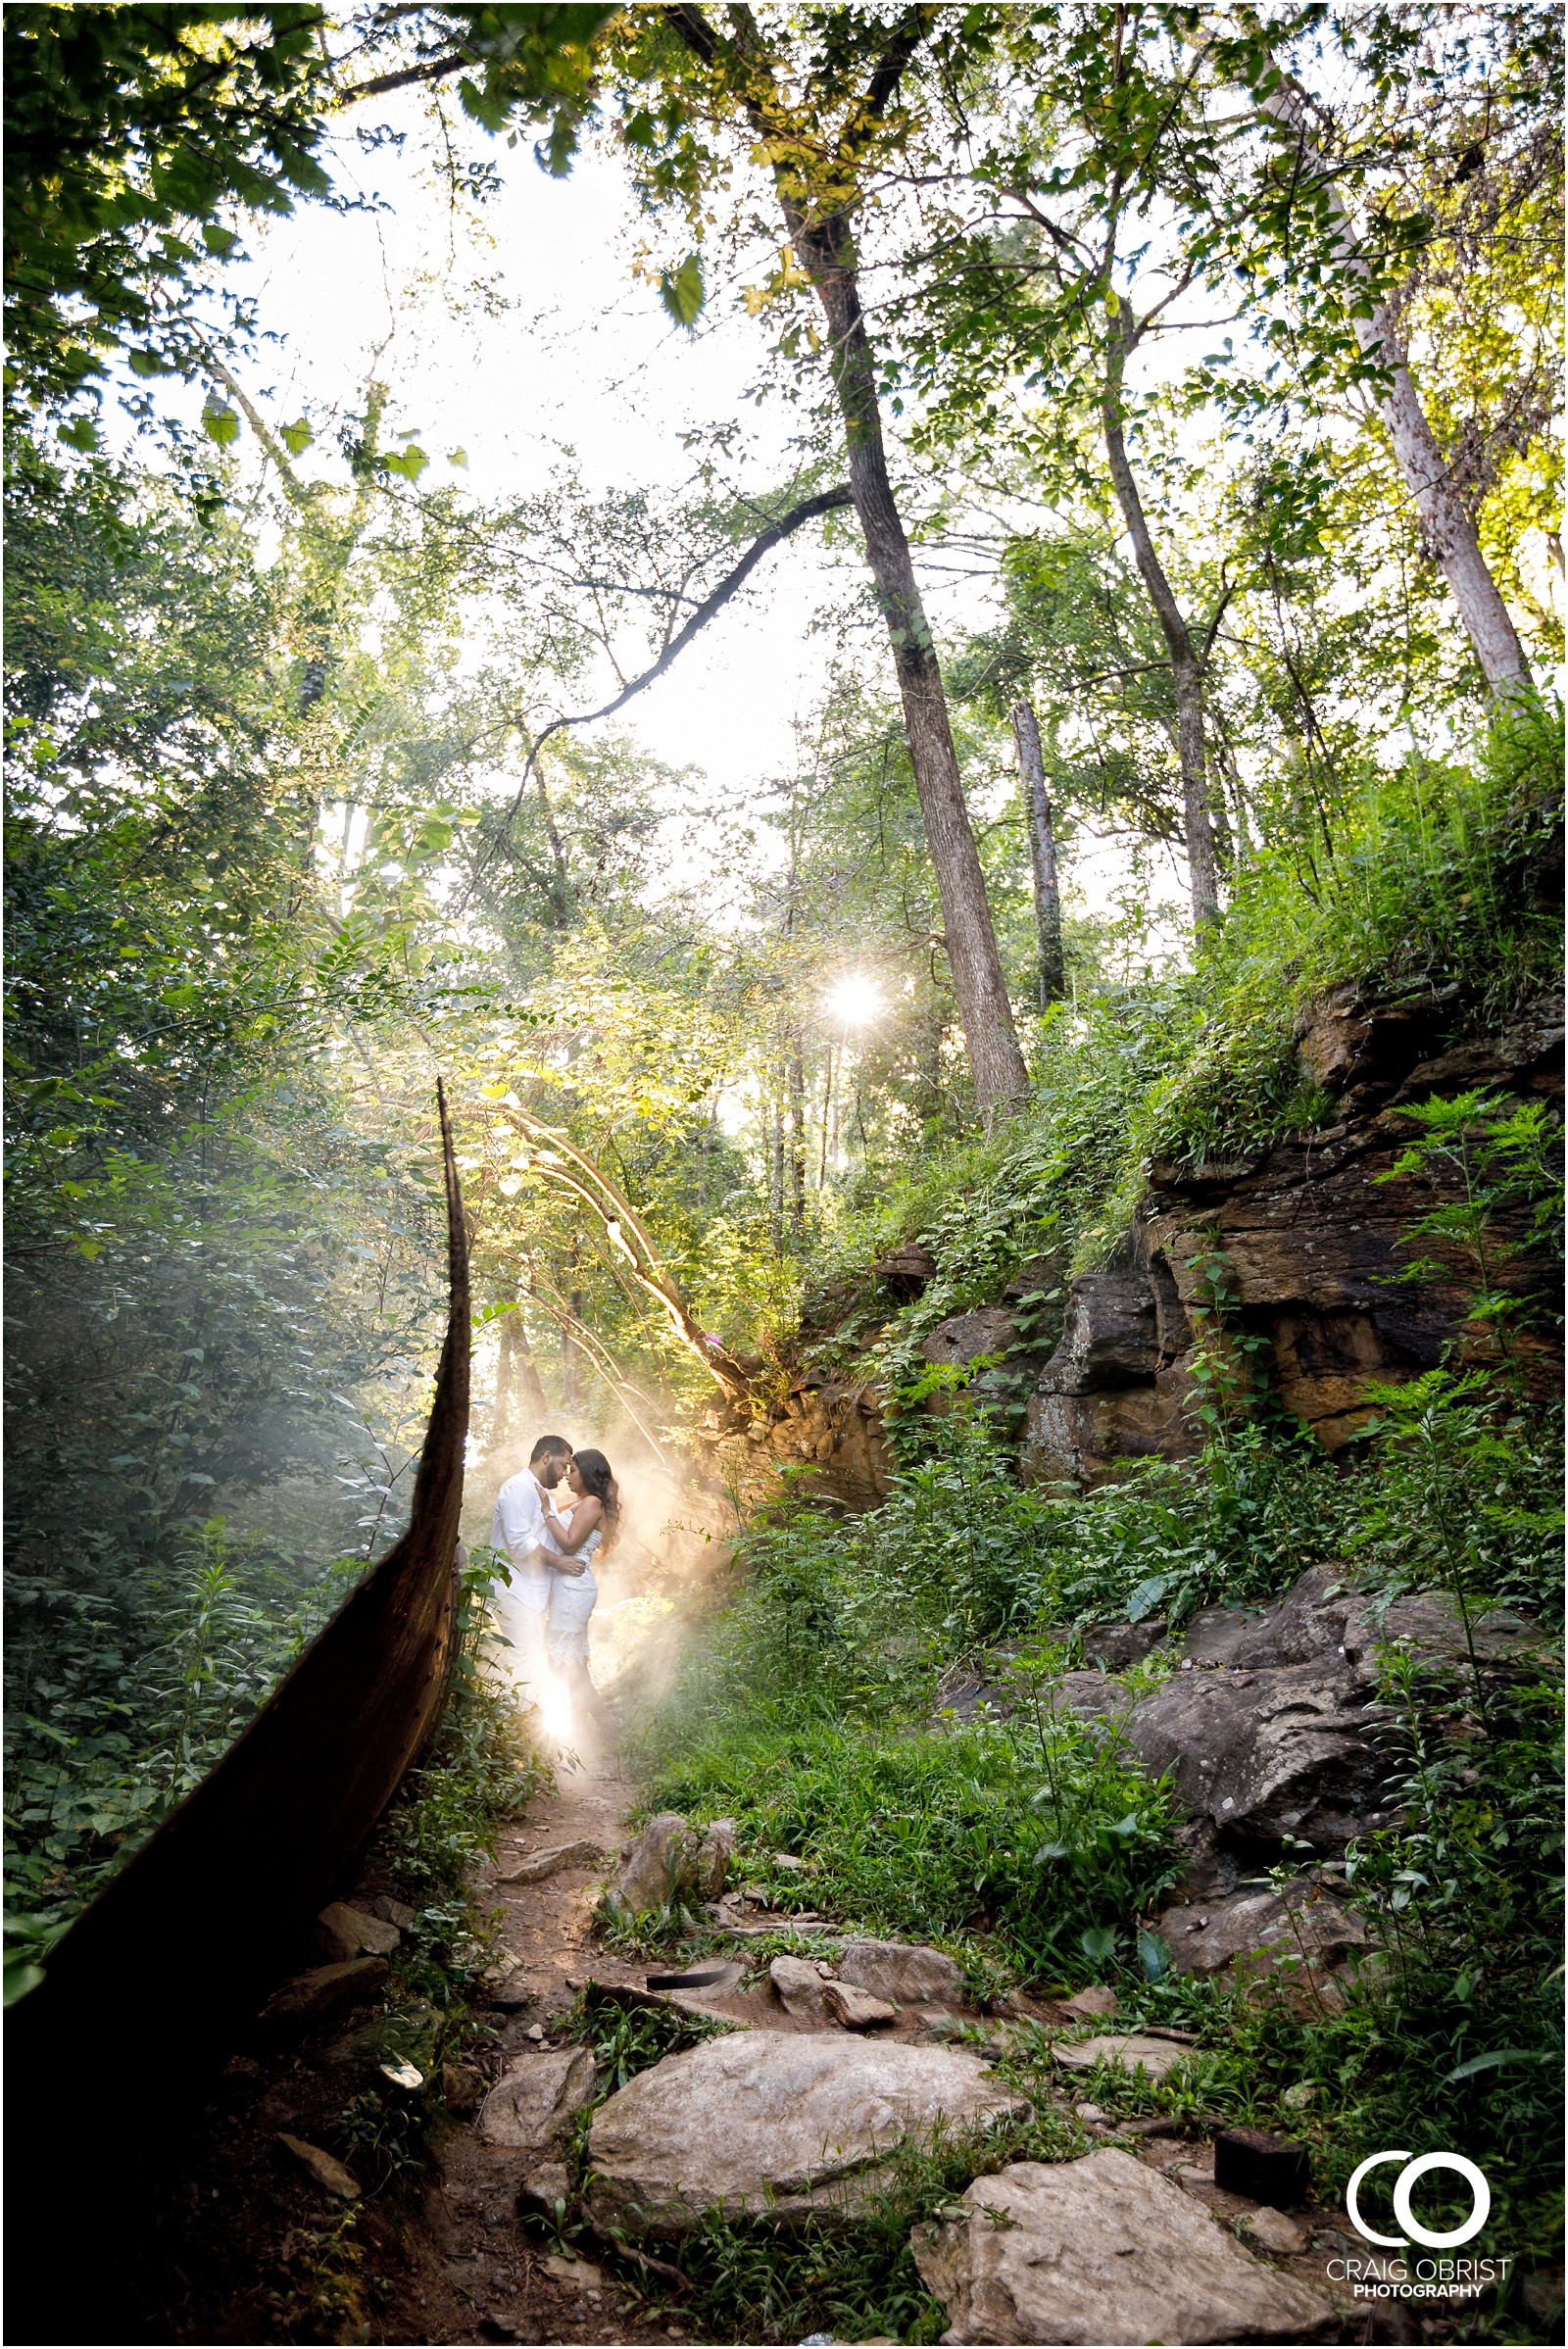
(599, 1479)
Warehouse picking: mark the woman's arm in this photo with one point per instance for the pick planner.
(588, 1513)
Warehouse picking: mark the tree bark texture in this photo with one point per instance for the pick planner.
(1001, 1078)
(1447, 523)
(1041, 826)
(1186, 669)
(797, 1083)
(824, 246)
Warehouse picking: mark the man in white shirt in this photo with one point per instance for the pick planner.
(520, 1528)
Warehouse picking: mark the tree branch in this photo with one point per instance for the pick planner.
(827, 500)
(437, 69)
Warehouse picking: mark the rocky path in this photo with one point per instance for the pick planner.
(835, 2057)
(479, 2274)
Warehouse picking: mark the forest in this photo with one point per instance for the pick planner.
(913, 648)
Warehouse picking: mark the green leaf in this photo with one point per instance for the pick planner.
(21, 1975)
(1153, 1955)
(296, 437)
(82, 433)
(1098, 1942)
(411, 464)
(219, 422)
(1147, 1595)
(682, 291)
(1493, 2061)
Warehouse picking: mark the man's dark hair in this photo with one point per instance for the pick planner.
(550, 1447)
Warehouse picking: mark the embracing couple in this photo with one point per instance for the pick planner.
(551, 1546)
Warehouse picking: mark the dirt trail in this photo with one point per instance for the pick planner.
(480, 2275)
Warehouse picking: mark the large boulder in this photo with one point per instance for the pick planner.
(907, 1973)
(1081, 1438)
(1252, 1936)
(1258, 1756)
(1307, 1623)
(1104, 2249)
(659, 1871)
(1110, 1335)
(530, 2107)
(782, 2126)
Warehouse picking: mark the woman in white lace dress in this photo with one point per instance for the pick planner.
(577, 1534)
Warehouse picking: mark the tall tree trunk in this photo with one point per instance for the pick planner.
(775, 1172)
(1447, 523)
(796, 1083)
(825, 252)
(825, 249)
(1041, 827)
(1186, 669)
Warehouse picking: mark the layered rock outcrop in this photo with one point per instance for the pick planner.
(1308, 1243)
(1310, 1247)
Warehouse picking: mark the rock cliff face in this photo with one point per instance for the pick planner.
(1310, 1247)
(1307, 1245)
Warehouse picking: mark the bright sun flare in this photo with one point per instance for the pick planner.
(857, 1001)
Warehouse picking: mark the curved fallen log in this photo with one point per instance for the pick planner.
(146, 1993)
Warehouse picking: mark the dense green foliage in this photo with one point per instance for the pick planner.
(305, 805)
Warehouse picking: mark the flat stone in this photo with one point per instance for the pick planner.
(708, 1998)
(1098, 2250)
(324, 1990)
(1089, 2006)
(345, 1932)
(580, 2273)
(530, 2107)
(510, 1987)
(542, 1864)
(777, 2123)
(1133, 2052)
(396, 1911)
(328, 2173)
(941, 2023)
(797, 1987)
(544, 2187)
(1250, 1935)
(856, 2009)
(1271, 2230)
(907, 1973)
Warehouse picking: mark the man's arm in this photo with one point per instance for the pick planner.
(521, 1519)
